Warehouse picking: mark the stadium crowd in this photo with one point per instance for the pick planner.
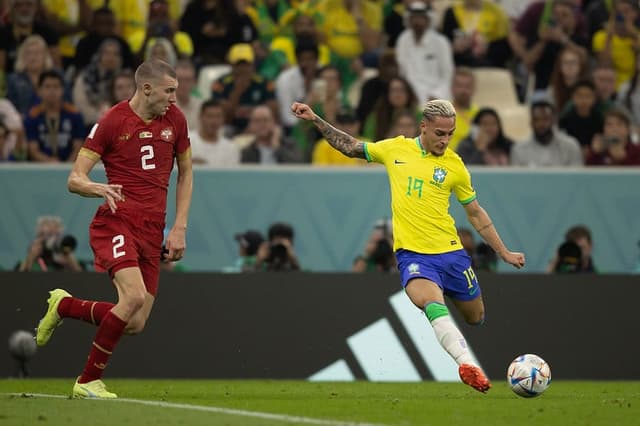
(534, 83)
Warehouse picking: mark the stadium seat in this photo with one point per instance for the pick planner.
(516, 122)
(209, 74)
(494, 88)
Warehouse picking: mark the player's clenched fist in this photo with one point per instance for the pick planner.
(302, 111)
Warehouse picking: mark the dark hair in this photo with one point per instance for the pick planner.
(543, 104)
(306, 44)
(50, 74)
(280, 229)
(502, 142)
(104, 10)
(211, 103)
(619, 113)
(583, 83)
(330, 67)
(384, 111)
(576, 232)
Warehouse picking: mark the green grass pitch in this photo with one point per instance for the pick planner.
(249, 403)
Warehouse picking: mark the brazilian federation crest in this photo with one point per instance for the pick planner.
(439, 174)
(414, 269)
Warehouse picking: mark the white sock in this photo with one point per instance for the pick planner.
(452, 340)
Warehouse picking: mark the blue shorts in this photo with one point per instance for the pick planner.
(452, 272)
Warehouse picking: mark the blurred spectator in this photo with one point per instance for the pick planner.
(23, 23)
(547, 146)
(92, 86)
(123, 87)
(571, 67)
(406, 124)
(294, 83)
(616, 44)
(325, 155)
(161, 48)
(132, 16)
(376, 87)
(159, 25)
(583, 117)
(575, 253)
(208, 145)
(248, 244)
(282, 52)
(187, 97)
(378, 253)
(486, 143)
(31, 60)
(267, 18)
(424, 56)
(614, 147)
(243, 89)
(398, 98)
(278, 254)
(268, 145)
(55, 131)
(51, 250)
(327, 96)
(67, 20)
(13, 146)
(352, 29)
(395, 19)
(542, 31)
(214, 26)
(604, 78)
(477, 30)
(103, 26)
(463, 87)
(629, 93)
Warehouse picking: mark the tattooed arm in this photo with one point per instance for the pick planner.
(346, 144)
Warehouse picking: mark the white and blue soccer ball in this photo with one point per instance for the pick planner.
(529, 375)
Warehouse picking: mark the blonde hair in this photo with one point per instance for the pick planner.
(33, 40)
(438, 108)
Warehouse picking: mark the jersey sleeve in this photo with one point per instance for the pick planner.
(99, 138)
(378, 152)
(463, 189)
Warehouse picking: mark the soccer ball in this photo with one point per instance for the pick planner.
(528, 375)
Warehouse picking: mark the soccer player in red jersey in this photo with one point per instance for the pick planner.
(137, 141)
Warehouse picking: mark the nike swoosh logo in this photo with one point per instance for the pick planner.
(399, 162)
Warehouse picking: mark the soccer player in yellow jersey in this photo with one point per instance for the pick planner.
(422, 174)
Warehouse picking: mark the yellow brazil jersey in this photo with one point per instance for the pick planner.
(421, 185)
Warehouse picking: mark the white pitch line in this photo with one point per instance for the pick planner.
(209, 409)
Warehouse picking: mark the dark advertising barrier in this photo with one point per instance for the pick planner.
(335, 327)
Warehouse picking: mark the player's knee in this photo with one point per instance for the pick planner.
(475, 318)
(135, 326)
(133, 302)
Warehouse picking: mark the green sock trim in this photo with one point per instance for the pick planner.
(436, 310)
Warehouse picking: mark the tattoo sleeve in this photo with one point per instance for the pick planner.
(346, 144)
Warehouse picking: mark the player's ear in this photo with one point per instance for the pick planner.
(146, 89)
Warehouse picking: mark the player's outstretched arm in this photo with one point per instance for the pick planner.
(343, 142)
(176, 242)
(79, 182)
(479, 218)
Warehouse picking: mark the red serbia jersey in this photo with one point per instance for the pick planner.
(138, 155)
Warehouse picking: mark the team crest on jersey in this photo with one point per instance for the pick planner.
(439, 175)
(166, 134)
(145, 135)
(414, 269)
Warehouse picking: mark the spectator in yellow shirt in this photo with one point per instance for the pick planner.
(325, 155)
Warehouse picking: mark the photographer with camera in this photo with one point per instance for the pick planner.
(277, 253)
(51, 250)
(378, 253)
(614, 147)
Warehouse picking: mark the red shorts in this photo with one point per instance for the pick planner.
(128, 239)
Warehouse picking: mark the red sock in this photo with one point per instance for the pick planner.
(85, 310)
(109, 333)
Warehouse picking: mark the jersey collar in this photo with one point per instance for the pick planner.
(420, 147)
